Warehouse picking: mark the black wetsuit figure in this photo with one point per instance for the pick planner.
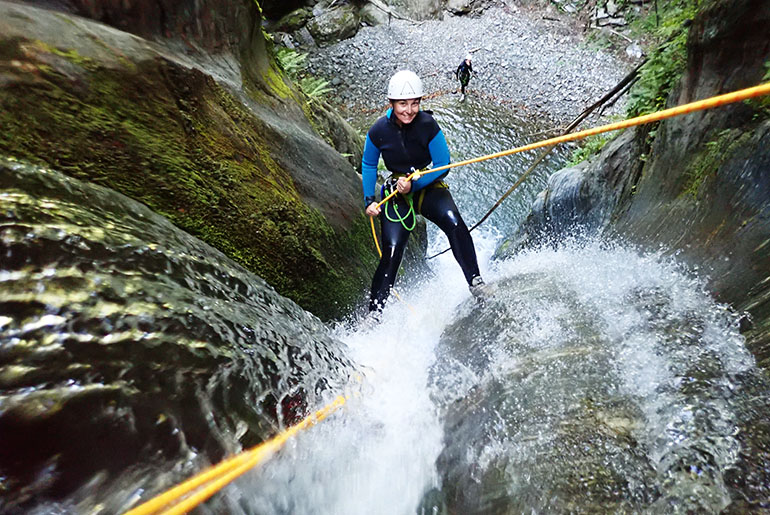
(417, 145)
(463, 74)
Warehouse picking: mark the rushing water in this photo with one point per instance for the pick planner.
(595, 378)
(131, 353)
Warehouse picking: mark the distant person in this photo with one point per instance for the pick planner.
(463, 73)
(408, 138)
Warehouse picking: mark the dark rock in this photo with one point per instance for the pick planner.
(713, 204)
(335, 24)
(372, 15)
(581, 200)
(278, 8)
(292, 21)
(703, 190)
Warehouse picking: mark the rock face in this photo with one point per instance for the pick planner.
(419, 9)
(582, 199)
(713, 205)
(323, 23)
(179, 105)
(144, 354)
(335, 24)
(703, 190)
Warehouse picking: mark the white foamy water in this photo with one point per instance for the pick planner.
(379, 454)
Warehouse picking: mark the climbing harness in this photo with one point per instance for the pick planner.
(189, 494)
(403, 219)
(389, 187)
(388, 191)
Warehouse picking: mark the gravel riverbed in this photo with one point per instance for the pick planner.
(540, 67)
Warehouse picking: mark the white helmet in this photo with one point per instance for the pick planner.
(468, 57)
(404, 85)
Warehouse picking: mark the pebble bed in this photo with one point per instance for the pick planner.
(538, 65)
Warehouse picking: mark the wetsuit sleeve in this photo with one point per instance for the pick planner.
(439, 154)
(369, 169)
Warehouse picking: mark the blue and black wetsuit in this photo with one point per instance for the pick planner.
(417, 145)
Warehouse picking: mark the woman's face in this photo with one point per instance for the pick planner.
(406, 110)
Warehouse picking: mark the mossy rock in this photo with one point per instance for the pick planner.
(334, 25)
(295, 20)
(222, 163)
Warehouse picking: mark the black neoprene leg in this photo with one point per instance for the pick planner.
(439, 207)
(394, 238)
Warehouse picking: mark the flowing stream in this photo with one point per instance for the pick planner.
(595, 378)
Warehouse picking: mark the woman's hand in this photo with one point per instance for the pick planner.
(403, 185)
(372, 209)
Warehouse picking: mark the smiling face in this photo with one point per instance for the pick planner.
(405, 110)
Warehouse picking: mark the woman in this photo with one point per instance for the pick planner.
(410, 139)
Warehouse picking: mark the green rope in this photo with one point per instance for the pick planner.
(402, 219)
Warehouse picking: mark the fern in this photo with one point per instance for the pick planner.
(314, 87)
(292, 62)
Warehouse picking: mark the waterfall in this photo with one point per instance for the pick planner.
(596, 378)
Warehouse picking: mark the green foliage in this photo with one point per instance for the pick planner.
(294, 63)
(667, 62)
(707, 163)
(591, 145)
(314, 87)
(767, 74)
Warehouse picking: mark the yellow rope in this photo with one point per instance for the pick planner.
(727, 98)
(215, 478)
(197, 489)
(374, 235)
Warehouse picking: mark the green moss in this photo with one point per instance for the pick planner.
(275, 81)
(708, 162)
(762, 104)
(293, 21)
(70, 55)
(177, 141)
(590, 146)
